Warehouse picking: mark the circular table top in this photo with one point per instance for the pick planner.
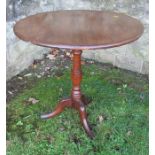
(80, 29)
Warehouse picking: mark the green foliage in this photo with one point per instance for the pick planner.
(120, 97)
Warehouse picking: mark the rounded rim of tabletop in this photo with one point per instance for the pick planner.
(79, 29)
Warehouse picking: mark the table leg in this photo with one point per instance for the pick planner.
(60, 107)
(77, 100)
(85, 99)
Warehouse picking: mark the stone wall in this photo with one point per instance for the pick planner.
(132, 57)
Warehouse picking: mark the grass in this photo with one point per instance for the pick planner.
(118, 97)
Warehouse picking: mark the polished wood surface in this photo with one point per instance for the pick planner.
(79, 29)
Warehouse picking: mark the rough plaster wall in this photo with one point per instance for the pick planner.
(134, 56)
(20, 54)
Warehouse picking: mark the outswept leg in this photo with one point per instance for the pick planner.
(85, 99)
(60, 107)
(79, 105)
(83, 117)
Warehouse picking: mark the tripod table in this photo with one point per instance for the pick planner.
(78, 30)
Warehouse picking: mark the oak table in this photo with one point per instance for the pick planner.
(78, 30)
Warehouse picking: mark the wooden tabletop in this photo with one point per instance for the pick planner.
(79, 29)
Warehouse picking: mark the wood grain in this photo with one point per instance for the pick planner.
(79, 29)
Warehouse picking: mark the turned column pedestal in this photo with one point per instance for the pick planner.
(77, 100)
